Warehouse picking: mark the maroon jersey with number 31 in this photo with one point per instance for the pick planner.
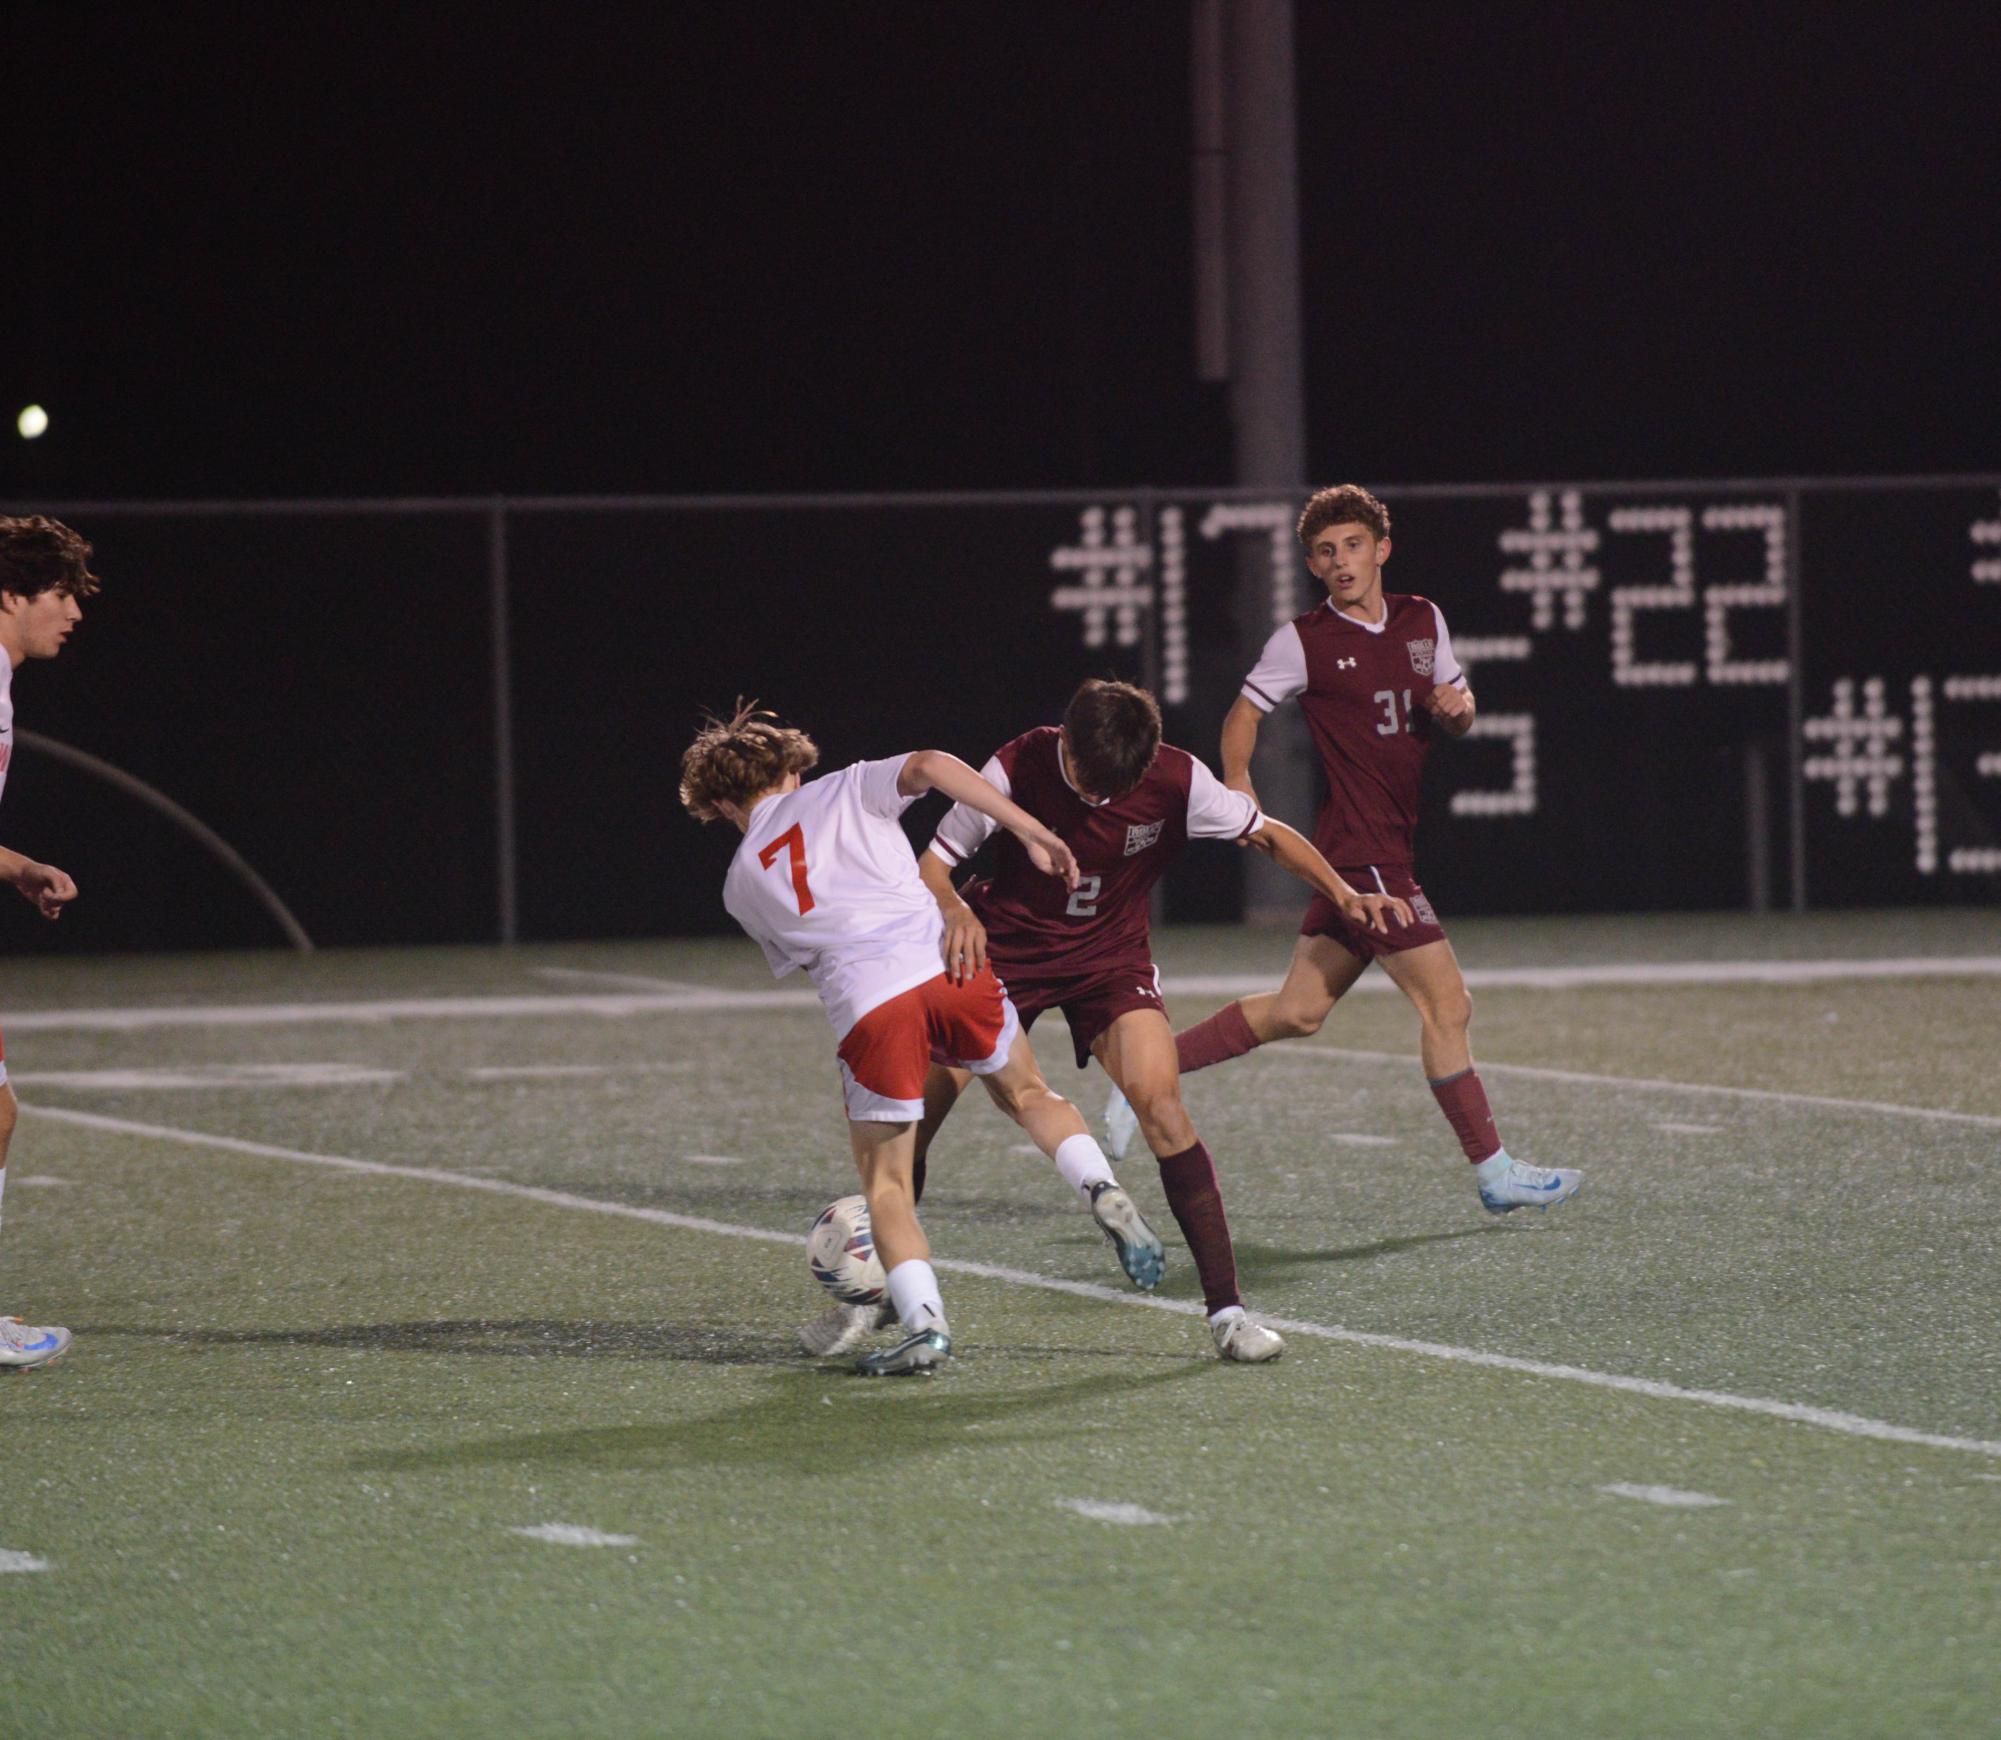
(1362, 688)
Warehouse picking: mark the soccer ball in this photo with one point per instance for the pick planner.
(840, 1250)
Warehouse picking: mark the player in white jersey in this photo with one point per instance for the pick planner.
(826, 882)
(44, 570)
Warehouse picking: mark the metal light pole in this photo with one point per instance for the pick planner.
(1248, 334)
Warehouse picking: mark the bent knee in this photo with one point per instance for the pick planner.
(1301, 1022)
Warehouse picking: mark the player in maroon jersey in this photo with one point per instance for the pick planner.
(1126, 805)
(1375, 677)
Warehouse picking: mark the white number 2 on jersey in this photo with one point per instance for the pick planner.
(1084, 897)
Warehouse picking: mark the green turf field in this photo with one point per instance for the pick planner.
(278, 1486)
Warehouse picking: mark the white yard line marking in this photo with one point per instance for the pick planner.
(1669, 1495)
(13, 1561)
(575, 1535)
(712, 1159)
(212, 1075)
(623, 981)
(1853, 1425)
(1099, 1510)
(1340, 1054)
(1674, 1129)
(704, 1000)
(537, 1071)
(1357, 1141)
(1645, 973)
(42, 1181)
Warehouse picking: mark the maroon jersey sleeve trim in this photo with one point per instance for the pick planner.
(946, 850)
(1257, 696)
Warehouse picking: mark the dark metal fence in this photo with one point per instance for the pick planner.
(452, 720)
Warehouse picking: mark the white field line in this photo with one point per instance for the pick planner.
(1853, 1425)
(574, 1535)
(708, 1001)
(1669, 1495)
(1341, 1054)
(622, 981)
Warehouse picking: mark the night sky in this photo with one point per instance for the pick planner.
(446, 248)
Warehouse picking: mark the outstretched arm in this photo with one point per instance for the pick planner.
(43, 886)
(935, 770)
(1240, 741)
(1294, 852)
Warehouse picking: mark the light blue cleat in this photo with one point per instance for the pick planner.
(919, 1356)
(1121, 1124)
(1141, 1254)
(1520, 1186)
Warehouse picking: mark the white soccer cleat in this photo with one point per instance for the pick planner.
(1247, 1343)
(1520, 1186)
(1121, 1124)
(26, 1349)
(1141, 1253)
(843, 1328)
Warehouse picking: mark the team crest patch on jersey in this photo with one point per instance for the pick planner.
(1141, 835)
(1422, 652)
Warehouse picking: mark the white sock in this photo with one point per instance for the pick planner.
(1083, 1164)
(1492, 1167)
(913, 1290)
(3, 1182)
(1228, 1311)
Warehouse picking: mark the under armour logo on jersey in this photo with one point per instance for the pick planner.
(1141, 835)
(1344, 664)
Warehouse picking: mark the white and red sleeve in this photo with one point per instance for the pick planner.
(1215, 812)
(1280, 672)
(877, 788)
(964, 831)
(1445, 667)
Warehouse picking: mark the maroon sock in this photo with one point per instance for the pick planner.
(1226, 1034)
(1464, 1102)
(1189, 1178)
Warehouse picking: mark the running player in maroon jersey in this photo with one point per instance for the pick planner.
(1375, 677)
(1126, 805)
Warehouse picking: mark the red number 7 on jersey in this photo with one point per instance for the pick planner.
(795, 838)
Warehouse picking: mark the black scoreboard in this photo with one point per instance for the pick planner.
(1690, 695)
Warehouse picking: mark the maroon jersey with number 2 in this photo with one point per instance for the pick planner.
(1086, 949)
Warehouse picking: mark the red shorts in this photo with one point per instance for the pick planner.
(889, 1051)
(1090, 1004)
(1323, 917)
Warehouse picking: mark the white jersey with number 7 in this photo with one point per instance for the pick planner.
(826, 880)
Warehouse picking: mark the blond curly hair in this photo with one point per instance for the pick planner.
(733, 759)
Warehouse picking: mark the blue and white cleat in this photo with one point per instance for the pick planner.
(1516, 1186)
(919, 1356)
(26, 1349)
(1121, 1124)
(1141, 1254)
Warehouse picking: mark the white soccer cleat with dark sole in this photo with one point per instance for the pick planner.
(1523, 1186)
(1248, 1343)
(843, 1328)
(26, 1349)
(1121, 1124)
(1141, 1253)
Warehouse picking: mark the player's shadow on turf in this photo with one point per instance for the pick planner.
(1261, 1262)
(829, 1423)
(509, 1338)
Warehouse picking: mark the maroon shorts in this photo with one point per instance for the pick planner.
(1323, 917)
(1090, 1003)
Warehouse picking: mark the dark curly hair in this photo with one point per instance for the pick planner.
(1344, 504)
(734, 759)
(38, 555)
